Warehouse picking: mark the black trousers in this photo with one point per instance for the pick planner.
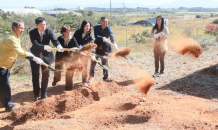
(5, 88)
(35, 78)
(159, 57)
(103, 61)
(68, 75)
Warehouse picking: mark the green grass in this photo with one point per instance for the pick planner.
(20, 78)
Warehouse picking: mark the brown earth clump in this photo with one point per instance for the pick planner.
(88, 47)
(194, 49)
(144, 83)
(186, 45)
(124, 52)
(77, 66)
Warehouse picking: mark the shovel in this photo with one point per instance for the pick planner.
(103, 66)
(126, 57)
(50, 68)
(65, 49)
(101, 57)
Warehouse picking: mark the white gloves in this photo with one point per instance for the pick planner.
(30, 54)
(75, 48)
(47, 47)
(59, 47)
(105, 39)
(115, 46)
(83, 53)
(93, 58)
(157, 35)
(38, 60)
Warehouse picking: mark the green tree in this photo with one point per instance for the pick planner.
(90, 13)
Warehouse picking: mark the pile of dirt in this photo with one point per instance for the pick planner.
(51, 108)
(124, 52)
(54, 107)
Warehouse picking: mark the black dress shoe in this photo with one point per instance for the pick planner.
(44, 96)
(54, 83)
(107, 80)
(9, 109)
(35, 98)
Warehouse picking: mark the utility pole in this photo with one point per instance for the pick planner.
(56, 10)
(124, 11)
(110, 8)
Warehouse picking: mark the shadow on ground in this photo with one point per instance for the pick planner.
(202, 83)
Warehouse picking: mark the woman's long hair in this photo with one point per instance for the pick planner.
(162, 24)
(84, 24)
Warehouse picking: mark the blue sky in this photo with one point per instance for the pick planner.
(89, 3)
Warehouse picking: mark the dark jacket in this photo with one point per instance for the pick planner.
(38, 46)
(107, 32)
(62, 55)
(82, 41)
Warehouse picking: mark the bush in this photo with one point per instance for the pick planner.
(198, 16)
(211, 28)
(215, 21)
(143, 38)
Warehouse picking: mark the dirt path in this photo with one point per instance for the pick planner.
(185, 98)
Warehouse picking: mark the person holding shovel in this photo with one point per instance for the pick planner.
(83, 37)
(102, 32)
(64, 58)
(160, 33)
(40, 38)
(9, 49)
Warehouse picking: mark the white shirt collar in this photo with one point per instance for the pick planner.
(40, 33)
(68, 40)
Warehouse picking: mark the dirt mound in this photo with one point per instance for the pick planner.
(54, 107)
(124, 52)
(186, 45)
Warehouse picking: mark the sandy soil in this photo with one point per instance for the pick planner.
(184, 98)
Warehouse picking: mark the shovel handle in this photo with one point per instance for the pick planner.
(111, 44)
(65, 49)
(43, 63)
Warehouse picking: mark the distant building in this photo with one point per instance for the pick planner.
(54, 13)
(21, 11)
(80, 8)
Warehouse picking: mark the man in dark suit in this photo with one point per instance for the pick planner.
(102, 33)
(40, 38)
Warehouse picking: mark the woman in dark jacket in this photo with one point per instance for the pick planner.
(160, 33)
(61, 58)
(84, 36)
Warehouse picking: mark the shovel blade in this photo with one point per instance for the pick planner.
(128, 58)
(52, 69)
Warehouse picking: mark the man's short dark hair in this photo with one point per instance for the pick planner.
(16, 23)
(39, 20)
(102, 18)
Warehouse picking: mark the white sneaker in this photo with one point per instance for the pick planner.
(85, 85)
(90, 79)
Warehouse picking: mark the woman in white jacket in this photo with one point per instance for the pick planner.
(160, 33)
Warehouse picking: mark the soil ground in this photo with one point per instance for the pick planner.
(186, 97)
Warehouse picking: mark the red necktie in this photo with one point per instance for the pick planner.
(41, 56)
